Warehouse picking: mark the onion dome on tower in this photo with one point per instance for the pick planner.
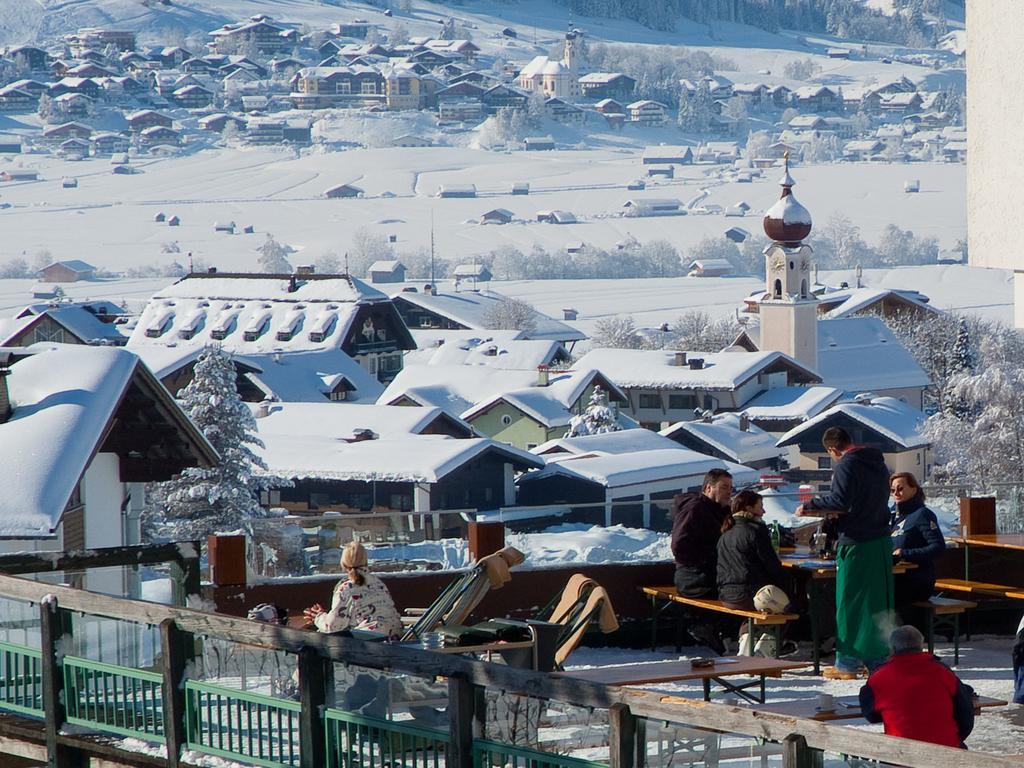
(787, 221)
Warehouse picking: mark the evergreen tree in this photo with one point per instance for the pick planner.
(204, 500)
(272, 257)
(597, 419)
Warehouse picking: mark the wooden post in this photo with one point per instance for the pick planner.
(460, 722)
(796, 753)
(313, 679)
(186, 576)
(54, 627)
(621, 737)
(485, 539)
(175, 647)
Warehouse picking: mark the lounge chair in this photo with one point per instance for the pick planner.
(462, 596)
(582, 601)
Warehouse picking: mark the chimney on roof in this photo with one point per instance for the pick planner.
(263, 409)
(543, 375)
(211, 271)
(5, 395)
(361, 435)
(697, 364)
(744, 423)
(679, 359)
(293, 286)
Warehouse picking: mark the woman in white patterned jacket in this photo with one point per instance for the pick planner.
(360, 602)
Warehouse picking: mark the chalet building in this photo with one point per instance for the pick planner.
(817, 98)
(72, 105)
(147, 118)
(219, 121)
(89, 427)
(72, 130)
(456, 190)
(405, 89)
(647, 112)
(63, 323)
(82, 85)
(665, 387)
(268, 130)
(406, 473)
(318, 87)
(710, 268)
(501, 96)
(654, 206)
(610, 107)
(93, 38)
(193, 96)
(90, 69)
(886, 423)
(260, 32)
(718, 86)
(457, 110)
(410, 140)
(342, 190)
(648, 478)
(730, 436)
(563, 112)
(667, 155)
(835, 303)
(497, 349)
(607, 85)
(110, 143)
(781, 409)
(19, 174)
(463, 49)
(497, 216)
(268, 317)
(474, 273)
(158, 135)
(17, 100)
(67, 272)
(74, 149)
(32, 58)
(538, 143)
(357, 28)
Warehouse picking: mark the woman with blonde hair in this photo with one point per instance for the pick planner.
(361, 601)
(916, 538)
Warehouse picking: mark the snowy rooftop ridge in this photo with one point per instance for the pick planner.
(725, 433)
(888, 416)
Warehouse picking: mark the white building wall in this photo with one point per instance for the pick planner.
(103, 493)
(995, 141)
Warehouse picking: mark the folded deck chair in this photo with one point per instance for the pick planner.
(457, 601)
(582, 601)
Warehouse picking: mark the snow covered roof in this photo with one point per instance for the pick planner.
(791, 403)
(470, 309)
(655, 369)
(343, 421)
(406, 458)
(254, 314)
(497, 349)
(310, 375)
(724, 433)
(861, 354)
(891, 418)
(64, 400)
(606, 443)
(849, 301)
(75, 318)
(637, 468)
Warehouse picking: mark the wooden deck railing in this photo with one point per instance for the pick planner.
(630, 711)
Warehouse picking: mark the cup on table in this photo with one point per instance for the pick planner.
(432, 640)
(826, 702)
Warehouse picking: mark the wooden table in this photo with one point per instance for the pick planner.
(848, 708)
(676, 671)
(798, 560)
(994, 540)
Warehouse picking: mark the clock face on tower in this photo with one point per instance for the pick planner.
(778, 263)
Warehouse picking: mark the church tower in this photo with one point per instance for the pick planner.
(574, 52)
(788, 308)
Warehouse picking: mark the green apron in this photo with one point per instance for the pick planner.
(864, 600)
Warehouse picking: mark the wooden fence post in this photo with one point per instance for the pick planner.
(313, 679)
(460, 722)
(175, 652)
(621, 737)
(796, 753)
(54, 628)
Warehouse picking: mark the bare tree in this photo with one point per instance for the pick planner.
(510, 314)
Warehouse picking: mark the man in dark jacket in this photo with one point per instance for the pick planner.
(696, 526)
(916, 696)
(864, 581)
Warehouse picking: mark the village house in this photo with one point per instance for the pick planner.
(19, 174)
(667, 155)
(710, 268)
(219, 121)
(193, 96)
(14, 99)
(30, 57)
(456, 190)
(730, 436)
(342, 191)
(861, 150)
(260, 32)
(886, 423)
(817, 98)
(106, 144)
(158, 135)
(263, 316)
(269, 130)
(665, 387)
(410, 140)
(497, 216)
(781, 409)
(89, 427)
(147, 118)
(89, 322)
(647, 112)
(459, 109)
(474, 273)
(607, 85)
(653, 206)
(563, 112)
(496, 349)
(318, 87)
(392, 271)
(73, 130)
(500, 96)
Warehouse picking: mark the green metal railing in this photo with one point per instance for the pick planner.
(235, 724)
(114, 699)
(490, 754)
(21, 681)
(355, 741)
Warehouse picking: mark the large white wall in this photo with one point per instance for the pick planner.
(103, 493)
(995, 136)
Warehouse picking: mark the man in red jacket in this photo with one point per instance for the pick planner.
(916, 696)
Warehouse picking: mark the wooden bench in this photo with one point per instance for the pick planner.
(979, 588)
(945, 606)
(670, 596)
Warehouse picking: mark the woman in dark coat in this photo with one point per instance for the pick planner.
(916, 538)
(747, 560)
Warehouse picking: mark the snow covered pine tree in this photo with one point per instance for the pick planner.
(598, 418)
(202, 501)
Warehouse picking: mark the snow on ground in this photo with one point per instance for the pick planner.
(984, 664)
(108, 219)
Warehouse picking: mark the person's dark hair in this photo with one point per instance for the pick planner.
(909, 479)
(837, 438)
(713, 476)
(741, 502)
(357, 576)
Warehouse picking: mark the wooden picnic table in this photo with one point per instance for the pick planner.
(848, 708)
(654, 672)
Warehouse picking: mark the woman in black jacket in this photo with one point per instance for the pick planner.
(746, 559)
(916, 538)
